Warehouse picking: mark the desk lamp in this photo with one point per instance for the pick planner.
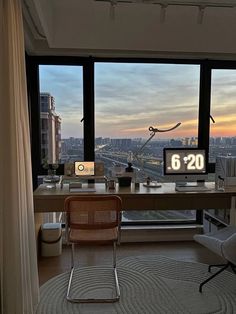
(152, 134)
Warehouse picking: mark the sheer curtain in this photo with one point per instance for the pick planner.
(18, 264)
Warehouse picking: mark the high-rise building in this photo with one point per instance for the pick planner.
(50, 129)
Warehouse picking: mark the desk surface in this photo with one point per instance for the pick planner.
(143, 198)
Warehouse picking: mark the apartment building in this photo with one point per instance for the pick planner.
(50, 129)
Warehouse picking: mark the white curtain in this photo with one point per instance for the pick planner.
(18, 259)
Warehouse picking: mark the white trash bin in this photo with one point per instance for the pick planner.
(51, 239)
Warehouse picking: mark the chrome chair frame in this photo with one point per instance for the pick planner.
(93, 300)
(224, 266)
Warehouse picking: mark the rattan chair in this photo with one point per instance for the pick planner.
(93, 220)
(223, 243)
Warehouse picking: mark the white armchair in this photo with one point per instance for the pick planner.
(223, 243)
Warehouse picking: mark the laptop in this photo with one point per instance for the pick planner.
(84, 168)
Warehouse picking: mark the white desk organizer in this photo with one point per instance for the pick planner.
(78, 179)
(226, 170)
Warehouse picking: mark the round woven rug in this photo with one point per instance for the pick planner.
(148, 284)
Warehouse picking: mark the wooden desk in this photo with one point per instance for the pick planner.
(164, 198)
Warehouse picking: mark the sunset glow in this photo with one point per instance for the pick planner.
(129, 98)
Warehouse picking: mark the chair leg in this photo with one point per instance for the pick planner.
(233, 267)
(115, 272)
(79, 300)
(72, 254)
(217, 265)
(71, 271)
(211, 277)
(114, 254)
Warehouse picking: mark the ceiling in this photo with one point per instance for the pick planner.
(146, 28)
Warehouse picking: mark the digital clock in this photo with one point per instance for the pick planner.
(184, 161)
(187, 167)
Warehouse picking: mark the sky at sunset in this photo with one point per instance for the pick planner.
(131, 97)
(223, 102)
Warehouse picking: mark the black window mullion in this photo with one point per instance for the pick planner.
(204, 107)
(89, 129)
(32, 70)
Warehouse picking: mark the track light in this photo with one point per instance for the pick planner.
(113, 4)
(163, 13)
(201, 11)
(201, 5)
(197, 3)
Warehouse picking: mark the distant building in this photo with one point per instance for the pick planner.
(50, 129)
(186, 141)
(228, 141)
(106, 140)
(72, 149)
(212, 141)
(176, 143)
(121, 142)
(194, 141)
(233, 140)
(218, 140)
(98, 141)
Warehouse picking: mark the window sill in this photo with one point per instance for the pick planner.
(147, 233)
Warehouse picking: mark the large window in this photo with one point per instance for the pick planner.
(117, 101)
(131, 97)
(61, 112)
(223, 110)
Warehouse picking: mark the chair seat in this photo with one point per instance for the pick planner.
(215, 240)
(94, 235)
(223, 243)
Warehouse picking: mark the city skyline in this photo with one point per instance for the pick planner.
(122, 90)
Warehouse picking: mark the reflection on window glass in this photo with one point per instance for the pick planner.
(158, 216)
(61, 103)
(222, 132)
(129, 98)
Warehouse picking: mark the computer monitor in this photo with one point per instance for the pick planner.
(183, 165)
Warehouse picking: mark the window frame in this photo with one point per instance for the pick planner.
(88, 64)
(215, 65)
(32, 70)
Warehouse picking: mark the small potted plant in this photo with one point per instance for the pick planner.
(55, 166)
(51, 168)
(46, 166)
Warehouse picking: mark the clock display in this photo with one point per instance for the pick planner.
(185, 161)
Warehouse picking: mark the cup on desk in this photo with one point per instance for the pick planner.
(111, 184)
(220, 184)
